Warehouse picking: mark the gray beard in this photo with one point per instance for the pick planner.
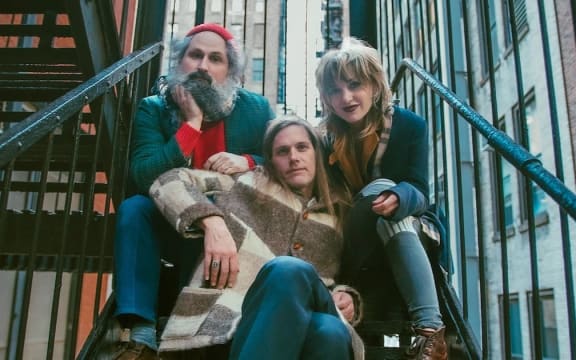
(215, 100)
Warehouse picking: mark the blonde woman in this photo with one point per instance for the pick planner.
(380, 151)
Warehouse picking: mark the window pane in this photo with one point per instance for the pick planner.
(259, 36)
(259, 5)
(508, 211)
(515, 329)
(418, 30)
(216, 5)
(257, 69)
(550, 331)
(492, 32)
(237, 6)
(237, 31)
(535, 146)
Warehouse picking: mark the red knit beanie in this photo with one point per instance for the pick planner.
(215, 28)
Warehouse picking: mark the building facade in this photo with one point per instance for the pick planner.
(515, 67)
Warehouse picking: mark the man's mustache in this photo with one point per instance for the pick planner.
(199, 85)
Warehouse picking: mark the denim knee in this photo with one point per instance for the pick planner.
(286, 267)
(328, 332)
(329, 328)
(135, 207)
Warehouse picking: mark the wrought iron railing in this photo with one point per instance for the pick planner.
(77, 147)
(502, 157)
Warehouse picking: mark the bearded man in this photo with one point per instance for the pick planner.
(200, 118)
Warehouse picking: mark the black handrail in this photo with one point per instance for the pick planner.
(23, 135)
(528, 164)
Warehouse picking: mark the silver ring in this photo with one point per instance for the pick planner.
(215, 264)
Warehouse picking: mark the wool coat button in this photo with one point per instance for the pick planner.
(305, 215)
(297, 246)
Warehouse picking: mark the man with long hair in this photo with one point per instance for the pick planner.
(284, 303)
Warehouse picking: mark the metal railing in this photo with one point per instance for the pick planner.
(81, 141)
(502, 158)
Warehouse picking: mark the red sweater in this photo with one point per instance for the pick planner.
(200, 145)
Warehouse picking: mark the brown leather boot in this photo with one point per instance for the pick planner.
(135, 351)
(428, 345)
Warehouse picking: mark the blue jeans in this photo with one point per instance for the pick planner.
(143, 237)
(408, 261)
(288, 314)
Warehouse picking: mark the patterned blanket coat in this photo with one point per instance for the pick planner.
(266, 221)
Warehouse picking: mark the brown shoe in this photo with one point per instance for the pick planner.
(428, 345)
(135, 351)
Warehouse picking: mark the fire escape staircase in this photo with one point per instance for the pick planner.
(51, 48)
(68, 100)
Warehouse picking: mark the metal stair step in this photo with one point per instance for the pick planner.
(20, 228)
(31, 6)
(38, 56)
(35, 30)
(61, 156)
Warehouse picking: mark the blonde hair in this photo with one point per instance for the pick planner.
(354, 60)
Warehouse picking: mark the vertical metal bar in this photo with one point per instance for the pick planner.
(427, 99)
(499, 185)
(200, 10)
(225, 18)
(386, 24)
(393, 22)
(48, 24)
(285, 30)
(380, 32)
(326, 21)
(124, 24)
(111, 179)
(244, 26)
(362, 21)
(424, 53)
(6, 182)
(566, 247)
(73, 314)
(134, 102)
(524, 140)
(411, 54)
(264, 48)
(573, 10)
(433, 112)
(63, 240)
(89, 204)
(77, 290)
(32, 254)
(245, 22)
(403, 48)
(458, 168)
(172, 21)
(442, 123)
(16, 318)
(78, 281)
(478, 196)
